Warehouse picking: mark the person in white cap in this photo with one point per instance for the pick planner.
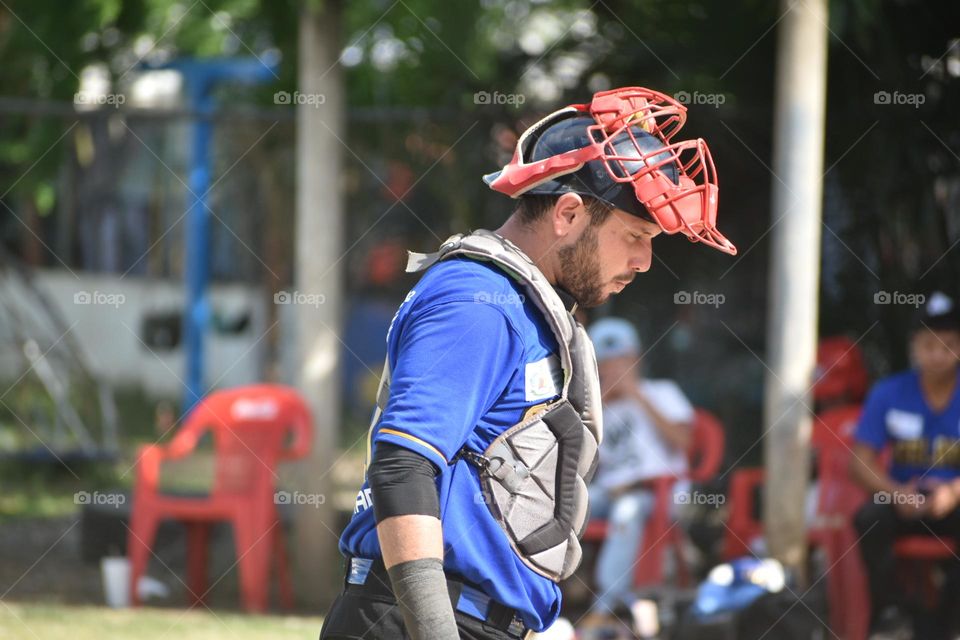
(647, 429)
(915, 415)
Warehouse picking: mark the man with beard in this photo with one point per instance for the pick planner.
(488, 418)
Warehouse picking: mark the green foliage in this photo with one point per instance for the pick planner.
(888, 220)
(46, 44)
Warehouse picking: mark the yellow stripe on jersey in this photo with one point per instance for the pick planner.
(414, 439)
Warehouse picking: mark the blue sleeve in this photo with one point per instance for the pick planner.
(872, 428)
(453, 360)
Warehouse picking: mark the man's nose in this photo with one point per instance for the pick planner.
(643, 257)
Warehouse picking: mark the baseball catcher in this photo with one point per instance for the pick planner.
(488, 417)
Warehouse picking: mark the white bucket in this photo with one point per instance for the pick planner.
(116, 581)
(646, 621)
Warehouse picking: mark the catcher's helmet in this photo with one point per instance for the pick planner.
(592, 179)
(621, 140)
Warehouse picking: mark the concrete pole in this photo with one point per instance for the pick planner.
(318, 290)
(794, 274)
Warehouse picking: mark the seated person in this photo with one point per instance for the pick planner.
(647, 427)
(917, 414)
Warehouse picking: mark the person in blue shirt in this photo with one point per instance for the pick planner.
(470, 355)
(916, 415)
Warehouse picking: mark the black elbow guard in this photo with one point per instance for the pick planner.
(402, 483)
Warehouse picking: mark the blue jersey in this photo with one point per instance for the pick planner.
(924, 443)
(470, 355)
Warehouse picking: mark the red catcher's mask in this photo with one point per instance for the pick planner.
(687, 205)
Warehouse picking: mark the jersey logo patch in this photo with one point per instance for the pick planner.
(903, 425)
(544, 379)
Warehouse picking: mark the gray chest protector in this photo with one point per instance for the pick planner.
(533, 476)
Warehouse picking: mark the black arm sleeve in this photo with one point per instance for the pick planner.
(402, 482)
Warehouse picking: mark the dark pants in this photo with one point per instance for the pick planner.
(879, 525)
(369, 611)
(354, 616)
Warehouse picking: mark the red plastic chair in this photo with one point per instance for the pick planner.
(841, 375)
(254, 428)
(705, 454)
(832, 437)
(925, 548)
(837, 501)
(660, 534)
(743, 522)
(839, 498)
(920, 554)
(835, 427)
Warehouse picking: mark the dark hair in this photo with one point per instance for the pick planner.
(531, 208)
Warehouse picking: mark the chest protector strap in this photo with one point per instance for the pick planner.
(533, 476)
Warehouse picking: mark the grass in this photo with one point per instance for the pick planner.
(53, 621)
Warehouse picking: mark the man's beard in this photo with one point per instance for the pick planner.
(580, 269)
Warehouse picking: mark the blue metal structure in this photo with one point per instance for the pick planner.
(200, 77)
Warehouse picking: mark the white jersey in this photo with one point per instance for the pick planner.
(632, 447)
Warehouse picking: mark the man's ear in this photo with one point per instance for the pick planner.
(568, 214)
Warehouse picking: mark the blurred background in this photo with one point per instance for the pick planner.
(114, 112)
